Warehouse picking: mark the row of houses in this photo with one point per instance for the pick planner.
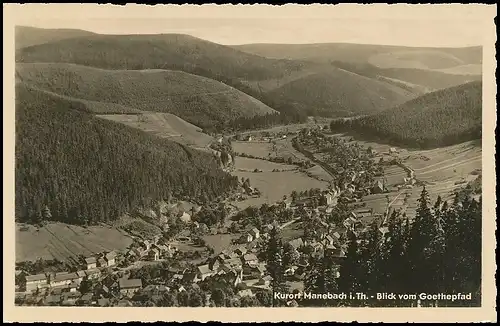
(102, 261)
(59, 280)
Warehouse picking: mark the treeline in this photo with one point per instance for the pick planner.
(258, 122)
(440, 118)
(438, 252)
(75, 168)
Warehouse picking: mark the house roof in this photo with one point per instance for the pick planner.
(54, 298)
(130, 283)
(103, 302)
(242, 250)
(296, 243)
(90, 260)
(255, 230)
(204, 269)
(154, 250)
(110, 255)
(92, 271)
(249, 257)
(65, 277)
(102, 261)
(37, 277)
(125, 303)
(81, 273)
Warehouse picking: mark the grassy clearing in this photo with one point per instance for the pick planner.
(257, 149)
(273, 185)
(62, 241)
(244, 164)
(164, 125)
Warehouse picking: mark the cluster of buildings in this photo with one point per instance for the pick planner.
(151, 249)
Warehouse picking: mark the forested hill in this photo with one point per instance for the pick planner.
(440, 118)
(199, 100)
(160, 51)
(75, 168)
(28, 36)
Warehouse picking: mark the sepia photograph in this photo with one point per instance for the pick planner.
(250, 156)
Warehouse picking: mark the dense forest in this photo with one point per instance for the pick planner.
(332, 94)
(73, 167)
(160, 51)
(440, 118)
(257, 122)
(201, 101)
(339, 93)
(422, 79)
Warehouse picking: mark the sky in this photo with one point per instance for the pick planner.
(410, 25)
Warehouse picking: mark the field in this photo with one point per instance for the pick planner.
(164, 125)
(244, 164)
(443, 170)
(62, 241)
(273, 185)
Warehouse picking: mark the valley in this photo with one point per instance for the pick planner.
(169, 161)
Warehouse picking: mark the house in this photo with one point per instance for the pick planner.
(184, 217)
(378, 188)
(296, 243)
(34, 282)
(139, 251)
(130, 286)
(292, 303)
(86, 299)
(70, 298)
(245, 293)
(146, 244)
(291, 270)
(204, 272)
(246, 238)
(124, 303)
(254, 232)
(240, 251)
(103, 302)
(91, 262)
(93, 274)
(154, 254)
(233, 263)
(329, 240)
(63, 279)
(393, 150)
(383, 230)
(73, 287)
(53, 300)
(101, 262)
(81, 275)
(250, 259)
(110, 258)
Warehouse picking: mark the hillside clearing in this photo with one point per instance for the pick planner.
(64, 242)
(164, 125)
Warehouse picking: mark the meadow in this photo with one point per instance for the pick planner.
(164, 125)
(63, 241)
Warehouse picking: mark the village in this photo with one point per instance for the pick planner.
(313, 223)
